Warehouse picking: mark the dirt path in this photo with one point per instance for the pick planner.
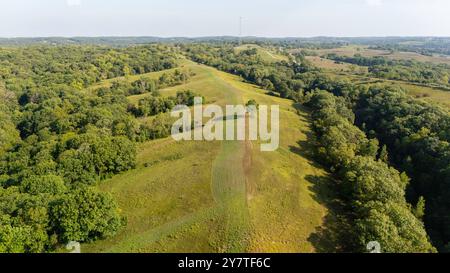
(229, 185)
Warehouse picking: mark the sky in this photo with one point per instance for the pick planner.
(196, 18)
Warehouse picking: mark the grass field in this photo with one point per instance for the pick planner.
(335, 66)
(267, 55)
(365, 51)
(226, 196)
(434, 95)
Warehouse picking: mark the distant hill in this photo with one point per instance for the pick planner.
(421, 45)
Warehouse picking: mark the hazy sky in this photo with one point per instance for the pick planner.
(270, 18)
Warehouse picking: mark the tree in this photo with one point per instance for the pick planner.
(419, 210)
(394, 227)
(84, 215)
(371, 180)
(267, 84)
(46, 184)
(15, 239)
(384, 155)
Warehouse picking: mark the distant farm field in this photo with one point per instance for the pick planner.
(335, 66)
(365, 51)
(356, 74)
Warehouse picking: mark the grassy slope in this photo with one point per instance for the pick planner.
(334, 66)
(220, 196)
(365, 51)
(265, 54)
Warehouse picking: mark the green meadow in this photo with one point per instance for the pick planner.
(199, 196)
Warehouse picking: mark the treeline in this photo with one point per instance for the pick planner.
(154, 105)
(146, 84)
(404, 70)
(374, 192)
(429, 47)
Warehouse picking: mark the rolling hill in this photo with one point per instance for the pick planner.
(199, 196)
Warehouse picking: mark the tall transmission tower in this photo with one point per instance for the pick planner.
(240, 30)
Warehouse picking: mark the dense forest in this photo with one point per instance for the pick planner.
(373, 191)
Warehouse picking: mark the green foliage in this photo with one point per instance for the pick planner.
(47, 184)
(154, 105)
(24, 221)
(393, 226)
(91, 155)
(419, 210)
(384, 155)
(417, 134)
(146, 84)
(151, 106)
(17, 239)
(371, 180)
(9, 135)
(375, 193)
(252, 102)
(186, 98)
(84, 215)
(341, 141)
(142, 86)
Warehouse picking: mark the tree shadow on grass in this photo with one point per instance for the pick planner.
(335, 233)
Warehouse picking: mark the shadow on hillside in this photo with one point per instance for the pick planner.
(333, 236)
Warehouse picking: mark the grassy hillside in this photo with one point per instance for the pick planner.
(266, 54)
(328, 64)
(221, 196)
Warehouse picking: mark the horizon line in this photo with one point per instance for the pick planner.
(222, 36)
